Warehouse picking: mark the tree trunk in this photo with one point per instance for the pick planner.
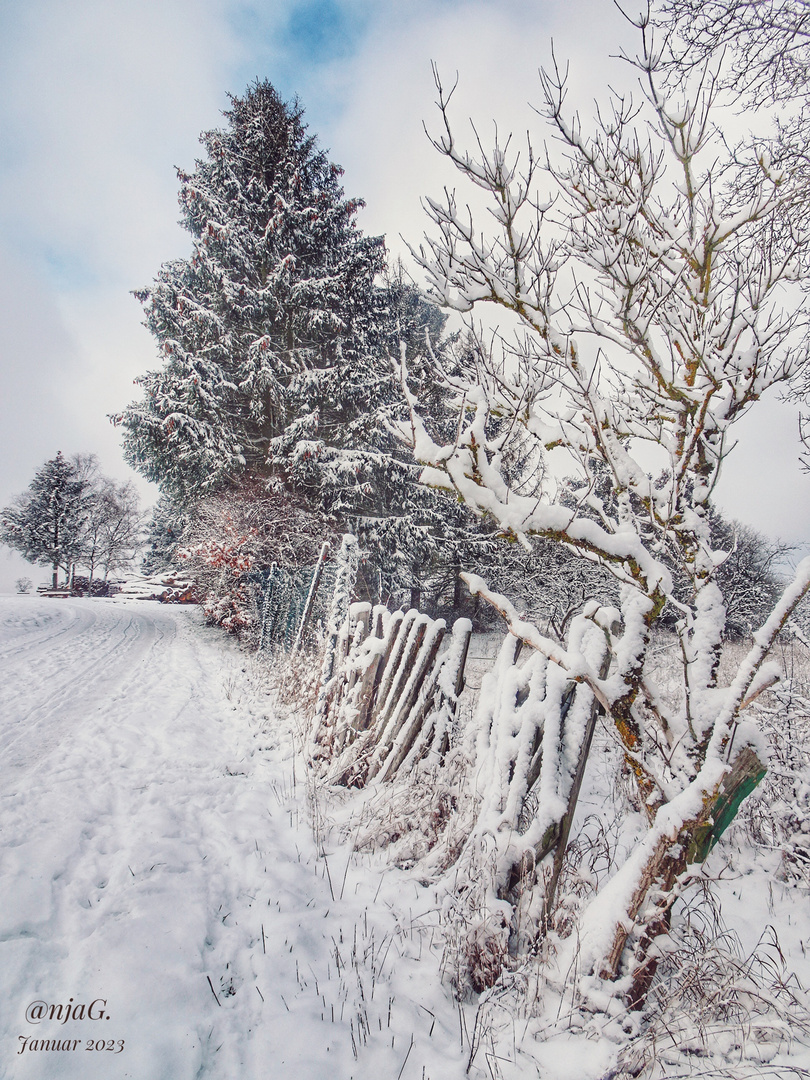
(671, 857)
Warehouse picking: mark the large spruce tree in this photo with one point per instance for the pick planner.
(277, 336)
(268, 331)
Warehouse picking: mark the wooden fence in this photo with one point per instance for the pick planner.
(388, 705)
(391, 692)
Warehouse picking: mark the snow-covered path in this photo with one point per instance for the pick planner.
(156, 860)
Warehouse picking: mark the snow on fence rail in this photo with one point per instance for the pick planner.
(387, 710)
(390, 695)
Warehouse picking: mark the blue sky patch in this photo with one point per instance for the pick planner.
(323, 30)
(67, 268)
(290, 50)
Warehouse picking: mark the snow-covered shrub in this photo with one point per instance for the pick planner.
(476, 931)
(23, 585)
(230, 611)
(423, 817)
(243, 530)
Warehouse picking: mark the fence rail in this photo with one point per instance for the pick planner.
(392, 693)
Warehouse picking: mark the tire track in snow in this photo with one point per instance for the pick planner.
(116, 805)
(100, 648)
(23, 630)
(148, 850)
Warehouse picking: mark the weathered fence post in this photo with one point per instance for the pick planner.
(347, 562)
(310, 602)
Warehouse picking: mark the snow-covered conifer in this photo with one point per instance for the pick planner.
(46, 523)
(278, 336)
(265, 330)
(71, 515)
(163, 531)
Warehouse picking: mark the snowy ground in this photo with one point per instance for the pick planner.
(157, 859)
(163, 876)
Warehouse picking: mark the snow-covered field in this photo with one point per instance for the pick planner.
(176, 902)
(158, 867)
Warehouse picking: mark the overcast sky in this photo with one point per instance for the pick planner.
(100, 100)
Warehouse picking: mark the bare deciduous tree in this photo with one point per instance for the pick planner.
(657, 302)
(114, 529)
(760, 50)
(765, 43)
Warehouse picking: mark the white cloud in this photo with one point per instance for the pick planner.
(39, 358)
(388, 92)
(101, 100)
(762, 482)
